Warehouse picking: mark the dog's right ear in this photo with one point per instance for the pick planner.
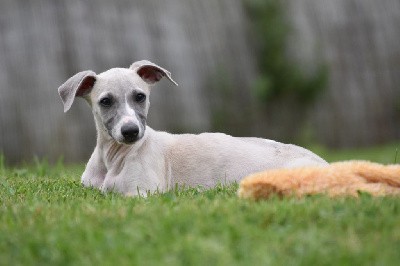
(78, 85)
(150, 72)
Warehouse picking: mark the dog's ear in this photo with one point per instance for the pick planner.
(150, 72)
(78, 85)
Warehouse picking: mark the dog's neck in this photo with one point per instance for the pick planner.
(113, 152)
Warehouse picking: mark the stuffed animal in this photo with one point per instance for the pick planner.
(337, 179)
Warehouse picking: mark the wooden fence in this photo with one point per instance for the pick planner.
(44, 42)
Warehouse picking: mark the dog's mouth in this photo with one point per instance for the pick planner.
(127, 141)
(130, 140)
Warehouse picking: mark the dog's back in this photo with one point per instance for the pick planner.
(211, 158)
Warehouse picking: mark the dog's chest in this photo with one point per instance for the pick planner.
(129, 169)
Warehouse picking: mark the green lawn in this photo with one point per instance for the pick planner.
(47, 218)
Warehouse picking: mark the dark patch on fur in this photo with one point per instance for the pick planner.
(109, 124)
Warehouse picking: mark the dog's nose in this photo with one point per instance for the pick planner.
(130, 132)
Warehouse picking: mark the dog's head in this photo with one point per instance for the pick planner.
(119, 97)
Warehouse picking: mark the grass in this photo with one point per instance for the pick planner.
(47, 218)
(387, 154)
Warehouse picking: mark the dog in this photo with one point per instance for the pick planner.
(133, 159)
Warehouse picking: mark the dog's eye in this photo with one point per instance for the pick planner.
(106, 102)
(140, 97)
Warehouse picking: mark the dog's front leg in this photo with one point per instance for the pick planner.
(132, 186)
(95, 171)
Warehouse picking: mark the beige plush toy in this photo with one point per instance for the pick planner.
(336, 179)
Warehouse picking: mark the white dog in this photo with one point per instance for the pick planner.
(132, 158)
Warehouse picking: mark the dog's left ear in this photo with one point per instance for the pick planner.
(150, 72)
(79, 85)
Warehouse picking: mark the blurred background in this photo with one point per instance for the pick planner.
(302, 71)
